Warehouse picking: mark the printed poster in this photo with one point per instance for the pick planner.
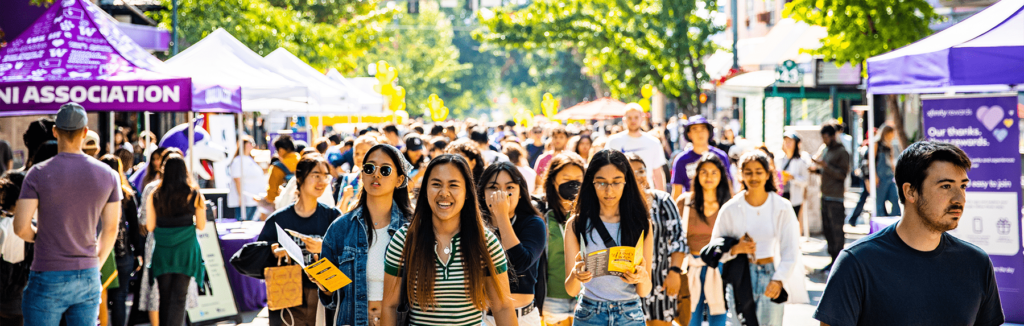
(986, 127)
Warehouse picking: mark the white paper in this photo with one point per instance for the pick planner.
(290, 246)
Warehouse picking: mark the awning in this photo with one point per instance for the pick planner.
(602, 108)
(981, 54)
(783, 43)
(748, 84)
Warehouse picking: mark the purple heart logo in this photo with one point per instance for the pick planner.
(990, 116)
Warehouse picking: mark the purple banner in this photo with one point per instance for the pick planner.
(166, 95)
(986, 128)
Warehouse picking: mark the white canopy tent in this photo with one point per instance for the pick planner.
(221, 58)
(361, 89)
(332, 97)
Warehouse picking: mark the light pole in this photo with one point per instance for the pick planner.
(174, 27)
(735, 34)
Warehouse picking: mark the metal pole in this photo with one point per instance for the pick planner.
(735, 34)
(871, 153)
(174, 29)
(241, 167)
(191, 143)
(113, 147)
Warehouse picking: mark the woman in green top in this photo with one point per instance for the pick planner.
(561, 184)
(442, 287)
(174, 211)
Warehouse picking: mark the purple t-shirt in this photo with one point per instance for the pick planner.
(72, 190)
(685, 167)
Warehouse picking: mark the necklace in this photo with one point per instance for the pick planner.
(447, 249)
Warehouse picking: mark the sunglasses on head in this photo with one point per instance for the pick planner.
(369, 169)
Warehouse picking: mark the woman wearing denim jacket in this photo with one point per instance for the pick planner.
(356, 242)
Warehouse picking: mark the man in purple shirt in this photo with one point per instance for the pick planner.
(70, 192)
(698, 132)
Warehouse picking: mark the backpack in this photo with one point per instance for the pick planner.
(287, 173)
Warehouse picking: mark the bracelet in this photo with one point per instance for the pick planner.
(675, 269)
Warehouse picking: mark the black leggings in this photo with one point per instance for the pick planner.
(173, 291)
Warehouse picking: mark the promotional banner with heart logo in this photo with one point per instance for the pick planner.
(986, 127)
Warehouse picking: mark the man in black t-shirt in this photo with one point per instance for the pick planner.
(913, 272)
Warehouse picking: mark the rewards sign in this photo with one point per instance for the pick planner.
(438, 112)
(549, 105)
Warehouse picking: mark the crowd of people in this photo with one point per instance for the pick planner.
(468, 224)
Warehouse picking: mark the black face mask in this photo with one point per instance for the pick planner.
(569, 190)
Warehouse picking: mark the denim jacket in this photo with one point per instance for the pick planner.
(346, 246)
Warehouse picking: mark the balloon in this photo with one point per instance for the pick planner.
(391, 74)
(646, 104)
(439, 114)
(548, 96)
(399, 92)
(382, 66)
(396, 104)
(647, 91)
(434, 103)
(386, 89)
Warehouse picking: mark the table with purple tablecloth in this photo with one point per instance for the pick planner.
(250, 293)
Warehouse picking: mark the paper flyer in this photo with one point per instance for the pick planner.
(614, 261)
(328, 275)
(290, 246)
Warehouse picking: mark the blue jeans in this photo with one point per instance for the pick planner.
(72, 294)
(768, 312)
(608, 313)
(697, 317)
(887, 193)
(250, 213)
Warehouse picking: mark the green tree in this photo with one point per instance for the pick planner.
(625, 44)
(858, 30)
(420, 48)
(264, 27)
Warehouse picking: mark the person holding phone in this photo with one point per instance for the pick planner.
(610, 211)
(383, 209)
(310, 219)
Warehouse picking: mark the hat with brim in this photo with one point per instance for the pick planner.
(698, 120)
(92, 140)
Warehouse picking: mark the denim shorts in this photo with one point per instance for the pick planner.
(607, 313)
(73, 294)
(558, 309)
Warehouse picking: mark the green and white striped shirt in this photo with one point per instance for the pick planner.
(454, 307)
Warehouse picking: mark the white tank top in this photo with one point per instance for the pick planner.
(375, 264)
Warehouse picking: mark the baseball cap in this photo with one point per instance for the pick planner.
(697, 120)
(71, 116)
(791, 135)
(413, 143)
(92, 140)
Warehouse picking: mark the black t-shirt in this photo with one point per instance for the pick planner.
(314, 226)
(5, 155)
(880, 280)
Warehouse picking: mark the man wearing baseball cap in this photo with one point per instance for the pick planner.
(71, 193)
(698, 132)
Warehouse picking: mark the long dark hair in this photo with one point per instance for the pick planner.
(469, 149)
(114, 162)
(760, 158)
(551, 195)
(175, 186)
(524, 207)
(151, 168)
(401, 195)
(419, 254)
(45, 151)
(633, 212)
(722, 193)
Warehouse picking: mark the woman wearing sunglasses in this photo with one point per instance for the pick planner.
(669, 249)
(383, 208)
(453, 269)
(306, 222)
(610, 211)
(510, 213)
(350, 182)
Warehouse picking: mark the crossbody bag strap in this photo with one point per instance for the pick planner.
(605, 236)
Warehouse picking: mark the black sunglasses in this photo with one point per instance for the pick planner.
(369, 169)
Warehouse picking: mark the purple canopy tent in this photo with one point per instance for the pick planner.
(982, 54)
(72, 54)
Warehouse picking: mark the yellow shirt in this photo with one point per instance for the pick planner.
(277, 176)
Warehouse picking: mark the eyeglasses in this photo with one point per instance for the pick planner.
(640, 172)
(320, 176)
(605, 185)
(369, 169)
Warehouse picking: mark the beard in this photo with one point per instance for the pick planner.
(935, 222)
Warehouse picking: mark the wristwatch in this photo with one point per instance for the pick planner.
(676, 269)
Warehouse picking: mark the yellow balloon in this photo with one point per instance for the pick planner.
(548, 96)
(647, 91)
(387, 89)
(646, 104)
(382, 66)
(396, 104)
(391, 74)
(399, 92)
(439, 114)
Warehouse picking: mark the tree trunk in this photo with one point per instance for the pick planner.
(896, 108)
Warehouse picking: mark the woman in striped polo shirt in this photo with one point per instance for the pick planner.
(442, 287)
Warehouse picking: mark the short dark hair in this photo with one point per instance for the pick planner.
(390, 128)
(335, 138)
(436, 129)
(349, 143)
(418, 129)
(478, 136)
(912, 165)
(284, 142)
(828, 129)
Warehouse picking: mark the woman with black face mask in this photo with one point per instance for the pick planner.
(561, 184)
